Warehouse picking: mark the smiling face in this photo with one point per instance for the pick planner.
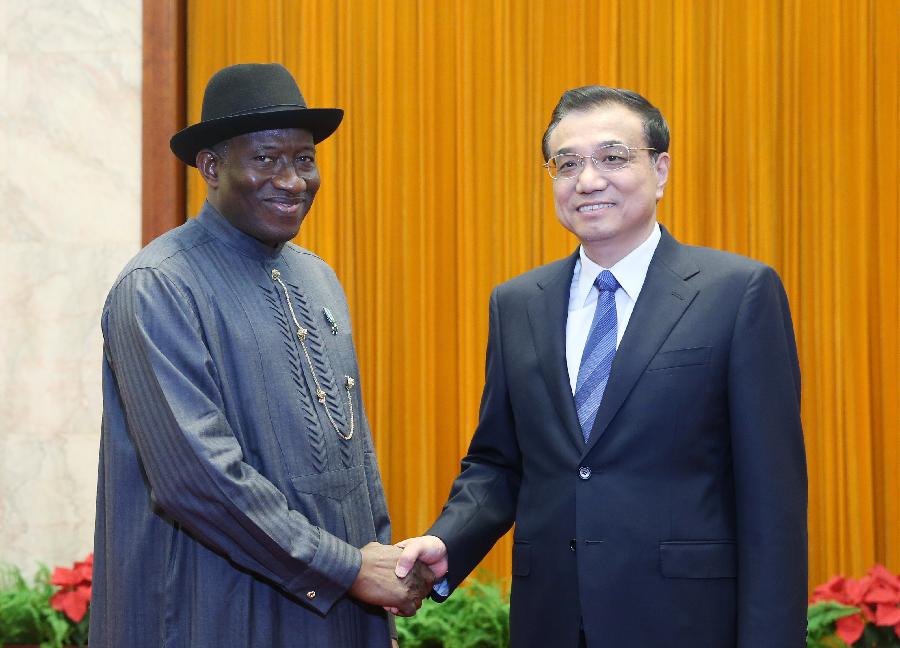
(611, 212)
(263, 183)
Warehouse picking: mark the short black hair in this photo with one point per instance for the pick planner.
(656, 130)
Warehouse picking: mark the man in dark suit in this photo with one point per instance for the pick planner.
(640, 421)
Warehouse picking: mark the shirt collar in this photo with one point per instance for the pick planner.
(219, 227)
(630, 271)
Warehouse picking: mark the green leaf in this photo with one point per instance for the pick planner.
(476, 616)
(820, 618)
(26, 616)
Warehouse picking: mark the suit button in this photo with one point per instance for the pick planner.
(572, 544)
(584, 472)
(311, 594)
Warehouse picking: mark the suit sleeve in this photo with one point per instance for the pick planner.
(482, 502)
(192, 460)
(769, 468)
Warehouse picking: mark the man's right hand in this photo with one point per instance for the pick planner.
(377, 584)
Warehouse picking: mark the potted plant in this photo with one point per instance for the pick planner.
(863, 613)
(51, 611)
(476, 616)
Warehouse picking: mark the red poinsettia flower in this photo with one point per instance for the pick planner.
(886, 578)
(75, 593)
(887, 614)
(876, 595)
(834, 590)
(881, 594)
(73, 603)
(857, 589)
(850, 628)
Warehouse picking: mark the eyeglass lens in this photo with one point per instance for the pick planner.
(606, 158)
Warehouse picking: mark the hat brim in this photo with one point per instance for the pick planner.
(186, 143)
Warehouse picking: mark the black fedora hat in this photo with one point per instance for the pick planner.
(251, 97)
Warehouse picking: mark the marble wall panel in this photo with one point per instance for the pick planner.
(4, 12)
(51, 348)
(4, 93)
(48, 485)
(76, 160)
(69, 220)
(73, 25)
(4, 151)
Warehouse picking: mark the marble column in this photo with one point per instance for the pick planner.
(70, 89)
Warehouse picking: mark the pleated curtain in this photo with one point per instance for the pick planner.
(785, 119)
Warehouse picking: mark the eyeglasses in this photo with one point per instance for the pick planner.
(610, 157)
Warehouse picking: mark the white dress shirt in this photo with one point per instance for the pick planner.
(630, 272)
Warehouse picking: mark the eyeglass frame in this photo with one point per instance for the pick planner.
(582, 158)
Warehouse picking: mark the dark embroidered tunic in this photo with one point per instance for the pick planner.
(229, 510)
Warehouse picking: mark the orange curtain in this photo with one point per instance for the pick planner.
(785, 128)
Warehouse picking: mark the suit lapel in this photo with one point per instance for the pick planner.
(547, 313)
(663, 299)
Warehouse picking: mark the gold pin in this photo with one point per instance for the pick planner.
(301, 333)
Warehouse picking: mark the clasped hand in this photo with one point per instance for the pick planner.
(428, 551)
(378, 584)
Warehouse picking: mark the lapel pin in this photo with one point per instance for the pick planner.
(330, 319)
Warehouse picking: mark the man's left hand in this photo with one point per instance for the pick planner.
(429, 550)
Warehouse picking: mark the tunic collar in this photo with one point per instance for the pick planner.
(220, 228)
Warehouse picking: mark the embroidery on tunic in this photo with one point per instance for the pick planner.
(321, 359)
(314, 432)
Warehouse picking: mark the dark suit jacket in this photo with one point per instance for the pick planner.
(682, 521)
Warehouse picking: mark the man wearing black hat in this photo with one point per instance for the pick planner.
(239, 500)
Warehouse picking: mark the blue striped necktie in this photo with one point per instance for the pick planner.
(597, 358)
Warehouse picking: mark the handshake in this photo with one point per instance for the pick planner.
(398, 577)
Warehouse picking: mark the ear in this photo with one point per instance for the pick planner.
(662, 173)
(208, 164)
